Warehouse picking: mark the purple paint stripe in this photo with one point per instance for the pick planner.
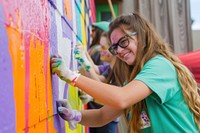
(67, 22)
(59, 124)
(65, 95)
(66, 30)
(53, 3)
(46, 48)
(7, 102)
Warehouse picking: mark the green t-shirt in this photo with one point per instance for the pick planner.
(167, 109)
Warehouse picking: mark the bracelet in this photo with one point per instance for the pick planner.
(73, 82)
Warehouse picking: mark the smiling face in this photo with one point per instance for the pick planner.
(105, 54)
(127, 54)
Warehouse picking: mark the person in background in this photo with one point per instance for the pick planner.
(97, 29)
(100, 73)
(157, 92)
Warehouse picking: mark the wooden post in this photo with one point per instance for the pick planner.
(111, 8)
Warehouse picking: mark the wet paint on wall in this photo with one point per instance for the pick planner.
(30, 32)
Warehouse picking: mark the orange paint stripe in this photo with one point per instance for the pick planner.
(16, 49)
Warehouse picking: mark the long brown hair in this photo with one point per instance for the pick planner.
(151, 44)
(96, 39)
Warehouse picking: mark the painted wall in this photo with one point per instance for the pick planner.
(30, 32)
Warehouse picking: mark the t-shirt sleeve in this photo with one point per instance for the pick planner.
(160, 76)
(96, 58)
(104, 69)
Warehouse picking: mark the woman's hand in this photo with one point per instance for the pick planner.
(58, 67)
(81, 57)
(67, 113)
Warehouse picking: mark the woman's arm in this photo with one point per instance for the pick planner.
(99, 117)
(92, 74)
(95, 67)
(117, 97)
(88, 69)
(96, 76)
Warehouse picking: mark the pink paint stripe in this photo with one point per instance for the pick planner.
(93, 10)
(46, 64)
(46, 49)
(27, 78)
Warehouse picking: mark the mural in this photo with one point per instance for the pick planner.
(30, 32)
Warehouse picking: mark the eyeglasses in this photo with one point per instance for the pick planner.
(123, 43)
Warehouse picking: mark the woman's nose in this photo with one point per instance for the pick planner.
(119, 49)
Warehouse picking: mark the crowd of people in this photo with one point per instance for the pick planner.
(144, 80)
(102, 72)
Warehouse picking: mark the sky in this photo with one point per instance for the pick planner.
(195, 13)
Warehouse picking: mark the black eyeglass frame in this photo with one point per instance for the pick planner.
(112, 49)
